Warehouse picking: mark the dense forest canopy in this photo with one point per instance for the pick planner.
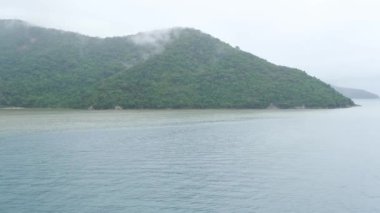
(174, 68)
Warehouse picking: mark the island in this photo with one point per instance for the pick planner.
(171, 68)
(356, 93)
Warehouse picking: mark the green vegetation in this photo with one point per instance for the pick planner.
(179, 68)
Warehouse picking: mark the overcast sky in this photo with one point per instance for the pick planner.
(337, 41)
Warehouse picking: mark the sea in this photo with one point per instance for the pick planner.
(276, 161)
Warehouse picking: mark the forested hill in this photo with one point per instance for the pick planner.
(356, 93)
(174, 68)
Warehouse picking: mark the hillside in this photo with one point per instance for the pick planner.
(175, 68)
(356, 93)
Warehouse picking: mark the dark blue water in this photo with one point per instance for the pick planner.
(191, 160)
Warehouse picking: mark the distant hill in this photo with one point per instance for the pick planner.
(356, 93)
(174, 68)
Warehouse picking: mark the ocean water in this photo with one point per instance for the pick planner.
(191, 160)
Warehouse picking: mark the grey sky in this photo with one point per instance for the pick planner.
(337, 41)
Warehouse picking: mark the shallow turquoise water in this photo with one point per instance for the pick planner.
(191, 160)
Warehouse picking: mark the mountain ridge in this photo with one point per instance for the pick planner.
(172, 68)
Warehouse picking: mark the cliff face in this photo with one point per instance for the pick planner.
(175, 68)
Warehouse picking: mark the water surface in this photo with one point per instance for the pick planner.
(191, 160)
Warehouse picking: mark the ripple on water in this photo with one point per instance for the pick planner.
(190, 161)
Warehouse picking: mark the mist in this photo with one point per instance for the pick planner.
(157, 106)
(334, 41)
(155, 40)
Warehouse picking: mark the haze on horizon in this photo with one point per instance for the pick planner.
(336, 41)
